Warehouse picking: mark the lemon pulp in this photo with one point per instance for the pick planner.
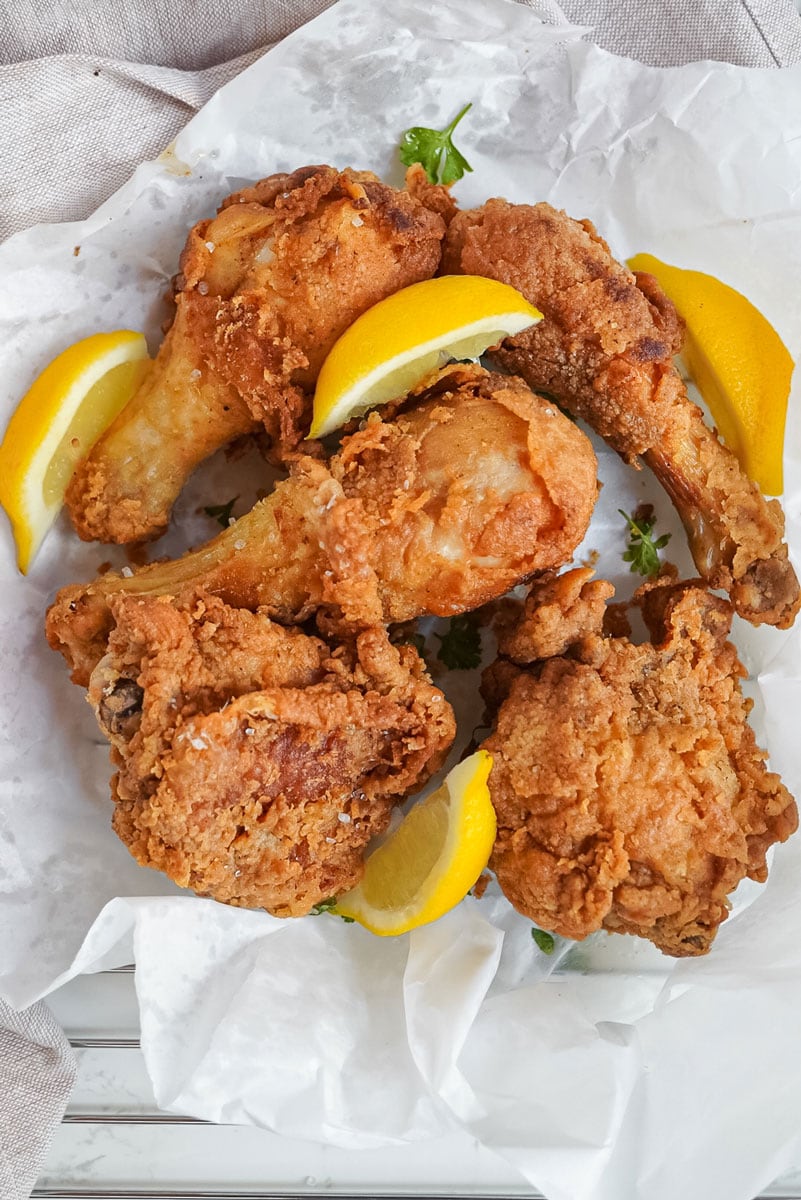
(55, 425)
(432, 859)
(390, 348)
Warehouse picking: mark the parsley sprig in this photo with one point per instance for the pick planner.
(460, 647)
(221, 512)
(435, 151)
(408, 637)
(544, 940)
(643, 549)
(329, 906)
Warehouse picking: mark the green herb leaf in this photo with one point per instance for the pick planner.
(405, 635)
(418, 641)
(460, 647)
(643, 549)
(221, 512)
(544, 940)
(435, 151)
(347, 920)
(324, 906)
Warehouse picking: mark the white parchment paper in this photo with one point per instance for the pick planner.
(606, 1072)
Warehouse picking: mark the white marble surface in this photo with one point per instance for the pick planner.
(97, 1154)
(90, 1154)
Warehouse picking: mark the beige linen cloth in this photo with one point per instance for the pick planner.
(90, 88)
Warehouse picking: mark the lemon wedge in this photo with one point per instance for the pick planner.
(740, 364)
(393, 346)
(432, 859)
(55, 425)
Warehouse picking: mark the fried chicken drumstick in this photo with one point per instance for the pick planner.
(630, 793)
(475, 488)
(254, 763)
(265, 289)
(604, 351)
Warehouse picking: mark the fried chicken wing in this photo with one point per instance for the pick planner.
(473, 489)
(254, 763)
(265, 289)
(631, 795)
(604, 351)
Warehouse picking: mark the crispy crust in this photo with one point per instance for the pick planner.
(630, 792)
(604, 351)
(254, 763)
(473, 489)
(264, 290)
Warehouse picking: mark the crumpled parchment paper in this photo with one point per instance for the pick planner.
(606, 1072)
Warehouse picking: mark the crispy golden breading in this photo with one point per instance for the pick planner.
(630, 793)
(604, 350)
(557, 612)
(265, 289)
(435, 196)
(254, 763)
(601, 345)
(476, 487)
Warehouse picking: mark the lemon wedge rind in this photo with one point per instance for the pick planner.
(54, 425)
(740, 365)
(432, 859)
(392, 347)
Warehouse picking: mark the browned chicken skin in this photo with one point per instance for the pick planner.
(604, 350)
(478, 486)
(254, 763)
(265, 289)
(630, 793)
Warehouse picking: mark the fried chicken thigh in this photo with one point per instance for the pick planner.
(604, 351)
(254, 763)
(630, 793)
(476, 487)
(265, 289)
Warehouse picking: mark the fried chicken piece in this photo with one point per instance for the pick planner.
(630, 793)
(255, 763)
(557, 613)
(604, 351)
(265, 289)
(435, 196)
(477, 487)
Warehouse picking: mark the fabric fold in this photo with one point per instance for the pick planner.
(37, 1073)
